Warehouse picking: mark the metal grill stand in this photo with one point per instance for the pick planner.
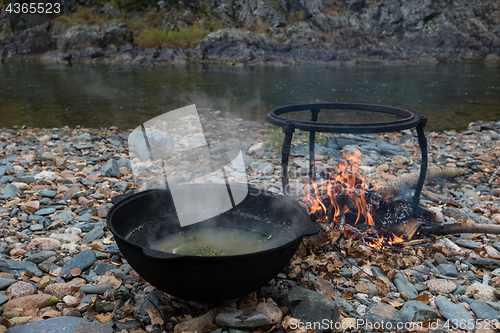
(410, 120)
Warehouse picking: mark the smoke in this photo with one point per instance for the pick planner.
(244, 106)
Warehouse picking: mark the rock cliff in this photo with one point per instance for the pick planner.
(275, 31)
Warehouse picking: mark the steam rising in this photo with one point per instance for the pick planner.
(170, 150)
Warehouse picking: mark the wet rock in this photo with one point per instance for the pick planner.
(94, 234)
(448, 270)
(82, 260)
(418, 311)
(404, 285)
(242, 318)
(455, 313)
(58, 324)
(311, 306)
(6, 282)
(16, 267)
(381, 312)
(95, 288)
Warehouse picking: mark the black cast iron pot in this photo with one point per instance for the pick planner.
(144, 217)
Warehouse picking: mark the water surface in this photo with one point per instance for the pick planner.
(42, 95)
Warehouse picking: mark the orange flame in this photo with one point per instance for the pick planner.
(396, 239)
(345, 181)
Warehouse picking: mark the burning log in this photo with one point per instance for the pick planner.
(396, 185)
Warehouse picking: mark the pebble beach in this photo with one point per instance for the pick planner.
(60, 266)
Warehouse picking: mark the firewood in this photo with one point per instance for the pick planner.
(400, 183)
(464, 228)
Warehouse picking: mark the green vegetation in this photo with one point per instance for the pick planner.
(275, 138)
(82, 16)
(183, 38)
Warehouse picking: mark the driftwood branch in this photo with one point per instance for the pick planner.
(398, 184)
(464, 228)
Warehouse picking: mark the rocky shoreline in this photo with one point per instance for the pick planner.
(270, 32)
(61, 267)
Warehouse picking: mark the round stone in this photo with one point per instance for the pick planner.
(20, 289)
(441, 286)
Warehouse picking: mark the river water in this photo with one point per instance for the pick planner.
(42, 95)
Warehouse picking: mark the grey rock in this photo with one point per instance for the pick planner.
(113, 248)
(496, 246)
(418, 311)
(467, 243)
(103, 307)
(39, 257)
(66, 217)
(95, 288)
(459, 214)
(82, 260)
(125, 162)
(93, 327)
(242, 318)
(102, 268)
(83, 137)
(459, 291)
(488, 263)
(90, 226)
(6, 282)
(448, 270)
(128, 325)
(311, 306)
(3, 299)
(10, 192)
(111, 169)
(94, 234)
(484, 311)
(122, 271)
(47, 193)
(161, 143)
(266, 168)
(36, 227)
(88, 298)
(58, 324)
(45, 211)
(87, 217)
(455, 313)
(381, 312)
(404, 285)
(16, 267)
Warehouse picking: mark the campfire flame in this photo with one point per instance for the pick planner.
(347, 189)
